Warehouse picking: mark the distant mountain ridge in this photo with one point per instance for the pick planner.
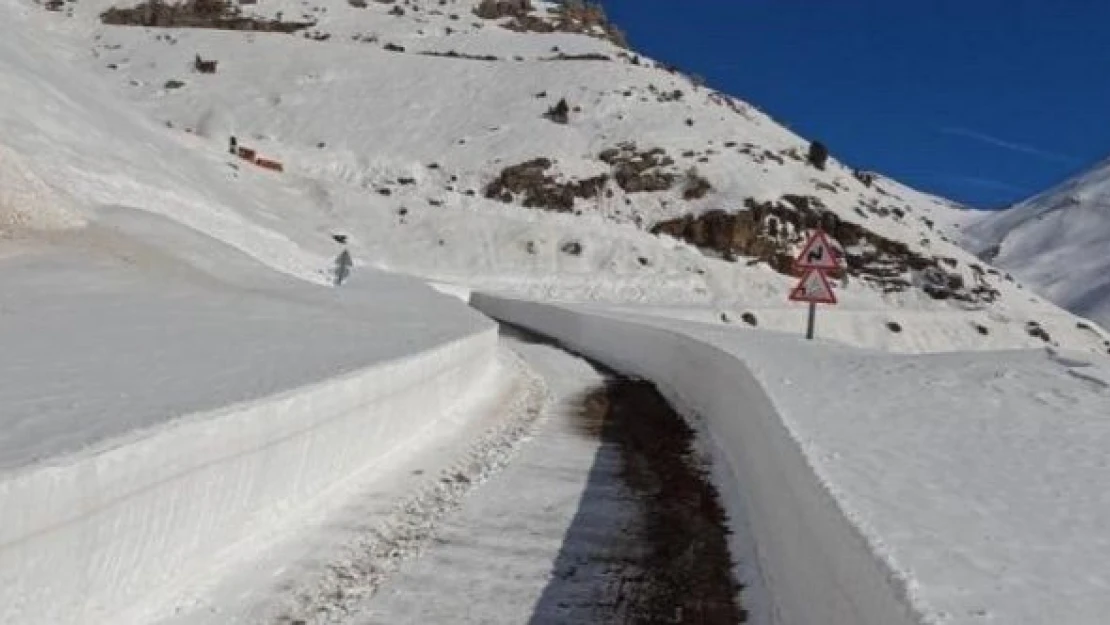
(1057, 241)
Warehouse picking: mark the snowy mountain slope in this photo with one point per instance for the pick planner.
(1057, 242)
(68, 146)
(395, 121)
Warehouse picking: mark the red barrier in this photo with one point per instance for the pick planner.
(266, 163)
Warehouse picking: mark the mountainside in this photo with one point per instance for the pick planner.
(1057, 242)
(499, 145)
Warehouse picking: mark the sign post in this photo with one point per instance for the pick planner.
(811, 325)
(817, 257)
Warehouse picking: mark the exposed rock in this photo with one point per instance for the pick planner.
(590, 56)
(216, 14)
(639, 171)
(572, 16)
(1035, 330)
(451, 54)
(537, 189)
(697, 186)
(772, 231)
(497, 9)
(574, 248)
(560, 113)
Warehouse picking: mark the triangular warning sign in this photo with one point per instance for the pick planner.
(814, 287)
(818, 253)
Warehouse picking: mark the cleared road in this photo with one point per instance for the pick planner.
(605, 517)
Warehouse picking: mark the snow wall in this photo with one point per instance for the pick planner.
(813, 565)
(84, 539)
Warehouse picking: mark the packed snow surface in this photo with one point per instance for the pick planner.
(492, 562)
(973, 481)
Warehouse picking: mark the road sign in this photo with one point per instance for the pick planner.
(818, 253)
(814, 288)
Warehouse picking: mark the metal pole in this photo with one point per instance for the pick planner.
(812, 320)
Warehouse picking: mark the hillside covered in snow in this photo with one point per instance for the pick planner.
(200, 423)
(509, 146)
(1057, 242)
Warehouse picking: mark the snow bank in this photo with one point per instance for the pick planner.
(85, 538)
(813, 565)
(163, 407)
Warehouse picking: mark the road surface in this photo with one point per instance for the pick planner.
(604, 517)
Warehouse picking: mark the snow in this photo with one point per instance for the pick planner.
(98, 295)
(523, 517)
(157, 415)
(879, 488)
(920, 332)
(350, 120)
(179, 383)
(323, 567)
(72, 147)
(1055, 241)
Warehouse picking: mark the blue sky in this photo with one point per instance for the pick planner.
(983, 101)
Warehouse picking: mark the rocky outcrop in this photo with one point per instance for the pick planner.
(570, 16)
(497, 9)
(535, 188)
(215, 14)
(632, 169)
(640, 171)
(771, 232)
